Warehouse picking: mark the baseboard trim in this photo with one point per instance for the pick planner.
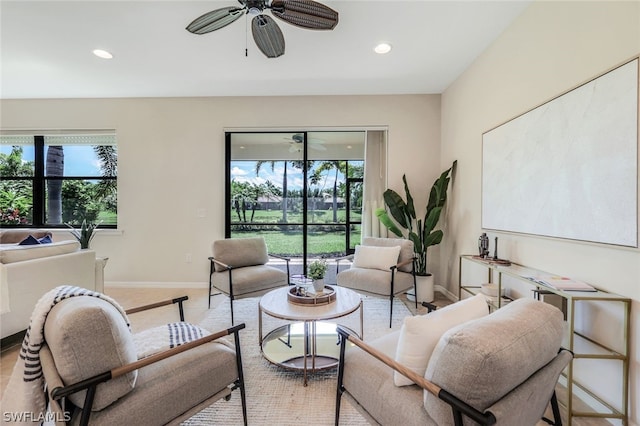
(155, 284)
(446, 293)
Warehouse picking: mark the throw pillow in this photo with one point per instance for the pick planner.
(420, 334)
(45, 240)
(29, 241)
(372, 257)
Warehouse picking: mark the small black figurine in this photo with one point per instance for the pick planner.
(495, 250)
(483, 245)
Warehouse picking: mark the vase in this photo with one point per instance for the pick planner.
(425, 289)
(318, 285)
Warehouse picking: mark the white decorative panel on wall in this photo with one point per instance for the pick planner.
(568, 168)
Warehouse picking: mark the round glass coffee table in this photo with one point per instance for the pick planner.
(309, 343)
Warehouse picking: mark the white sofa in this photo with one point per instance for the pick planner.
(28, 272)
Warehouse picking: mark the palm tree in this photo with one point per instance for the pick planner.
(108, 156)
(297, 164)
(326, 166)
(55, 168)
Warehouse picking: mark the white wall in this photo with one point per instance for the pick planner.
(171, 163)
(550, 48)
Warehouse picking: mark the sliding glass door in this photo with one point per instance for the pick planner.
(301, 191)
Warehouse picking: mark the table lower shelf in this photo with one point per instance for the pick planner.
(287, 345)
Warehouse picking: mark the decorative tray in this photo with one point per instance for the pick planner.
(311, 298)
(491, 260)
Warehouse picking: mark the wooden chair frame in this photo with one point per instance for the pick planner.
(459, 408)
(60, 393)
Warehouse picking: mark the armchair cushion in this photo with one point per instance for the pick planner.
(406, 248)
(374, 281)
(373, 257)
(420, 334)
(495, 354)
(250, 279)
(173, 386)
(370, 386)
(107, 344)
(239, 252)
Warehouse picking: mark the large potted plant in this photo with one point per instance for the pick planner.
(419, 230)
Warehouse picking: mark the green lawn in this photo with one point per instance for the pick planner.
(275, 216)
(289, 243)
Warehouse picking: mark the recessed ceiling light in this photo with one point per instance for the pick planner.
(383, 48)
(102, 54)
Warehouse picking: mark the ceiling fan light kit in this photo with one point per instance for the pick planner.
(307, 14)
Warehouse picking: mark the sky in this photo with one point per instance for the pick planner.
(78, 160)
(245, 171)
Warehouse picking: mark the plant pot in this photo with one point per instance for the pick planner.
(318, 285)
(424, 284)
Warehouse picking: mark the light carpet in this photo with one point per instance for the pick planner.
(276, 396)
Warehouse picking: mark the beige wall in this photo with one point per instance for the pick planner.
(171, 163)
(552, 47)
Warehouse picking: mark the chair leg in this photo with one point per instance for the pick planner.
(240, 380)
(210, 283)
(557, 418)
(393, 270)
(231, 304)
(340, 388)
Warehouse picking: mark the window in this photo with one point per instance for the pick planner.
(53, 179)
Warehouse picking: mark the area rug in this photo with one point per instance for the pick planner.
(276, 396)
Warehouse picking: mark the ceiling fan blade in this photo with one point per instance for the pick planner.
(215, 20)
(267, 36)
(317, 147)
(305, 13)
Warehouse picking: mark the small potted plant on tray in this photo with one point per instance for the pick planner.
(316, 271)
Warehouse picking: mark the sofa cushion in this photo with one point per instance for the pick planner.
(107, 343)
(45, 240)
(406, 248)
(482, 360)
(372, 257)
(13, 236)
(10, 253)
(420, 334)
(239, 252)
(29, 241)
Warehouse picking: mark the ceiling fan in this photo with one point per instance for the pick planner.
(266, 33)
(296, 140)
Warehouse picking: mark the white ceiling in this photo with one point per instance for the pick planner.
(45, 49)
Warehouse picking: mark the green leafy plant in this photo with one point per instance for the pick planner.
(420, 231)
(317, 269)
(85, 234)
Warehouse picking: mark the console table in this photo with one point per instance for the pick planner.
(579, 337)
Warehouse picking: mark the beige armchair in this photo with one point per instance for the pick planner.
(373, 270)
(501, 368)
(93, 376)
(239, 269)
